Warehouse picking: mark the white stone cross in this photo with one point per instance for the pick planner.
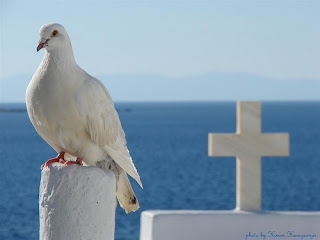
(248, 145)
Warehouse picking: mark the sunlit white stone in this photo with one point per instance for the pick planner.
(248, 145)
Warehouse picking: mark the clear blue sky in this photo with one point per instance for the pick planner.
(173, 39)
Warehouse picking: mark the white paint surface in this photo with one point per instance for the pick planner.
(76, 203)
(248, 144)
(228, 225)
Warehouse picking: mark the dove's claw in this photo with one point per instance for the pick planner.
(78, 161)
(59, 158)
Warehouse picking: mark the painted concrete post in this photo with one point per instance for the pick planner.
(77, 202)
(248, 145)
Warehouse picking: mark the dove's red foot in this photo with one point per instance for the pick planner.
(59, 158)
(77, 161)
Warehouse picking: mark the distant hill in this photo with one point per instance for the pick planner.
(209, 87)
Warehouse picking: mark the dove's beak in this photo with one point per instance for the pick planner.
(42, 43)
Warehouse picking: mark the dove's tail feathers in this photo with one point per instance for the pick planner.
(124, 160)
(127, 199)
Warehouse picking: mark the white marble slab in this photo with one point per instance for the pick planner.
(229, 225)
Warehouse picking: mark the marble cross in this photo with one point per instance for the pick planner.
(248, 145)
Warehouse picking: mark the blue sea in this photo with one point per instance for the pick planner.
(168, 143)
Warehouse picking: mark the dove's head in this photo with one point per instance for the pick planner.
(53, 36)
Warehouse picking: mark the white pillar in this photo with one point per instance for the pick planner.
(77, 202)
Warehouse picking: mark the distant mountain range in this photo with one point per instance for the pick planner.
(209, 87)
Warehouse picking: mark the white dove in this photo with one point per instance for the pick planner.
(74, 113)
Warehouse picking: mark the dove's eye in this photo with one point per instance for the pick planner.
(54, 33)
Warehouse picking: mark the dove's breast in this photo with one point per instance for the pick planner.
(53, 112)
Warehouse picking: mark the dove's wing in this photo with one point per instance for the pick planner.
(103, 124)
